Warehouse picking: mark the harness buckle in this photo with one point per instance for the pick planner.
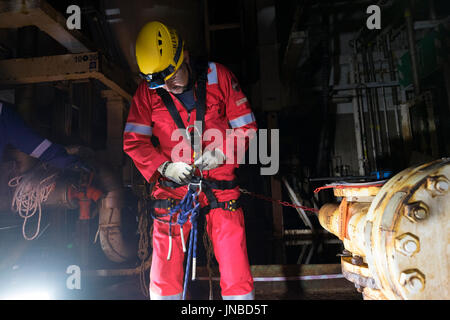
(199, 184)
(172, 203)
(231, 205)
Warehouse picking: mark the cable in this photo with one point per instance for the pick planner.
(346, 185)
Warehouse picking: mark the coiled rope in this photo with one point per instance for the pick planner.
(31, 191)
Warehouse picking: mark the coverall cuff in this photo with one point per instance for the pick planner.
(152, 173)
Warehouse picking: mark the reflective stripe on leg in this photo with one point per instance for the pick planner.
(248, 296)
(154, 296)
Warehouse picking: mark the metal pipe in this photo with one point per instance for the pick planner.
(347, 178)
(369, 110)
(357, 121)
(360, 109)
(329, 217)
(412, 49)
(343, 220)
(113, 244)
(376, 110)
(395, 101)
(390, 58)
(386, 125)
(363, 129)
(397, 118)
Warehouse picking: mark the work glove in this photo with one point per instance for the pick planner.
(178, 172)
(210, 159)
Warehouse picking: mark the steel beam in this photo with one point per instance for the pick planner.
(18, 14)
(89, 65)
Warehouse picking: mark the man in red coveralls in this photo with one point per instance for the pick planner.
(177, 93)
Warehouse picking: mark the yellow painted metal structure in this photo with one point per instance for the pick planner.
(396, 236)
(88, 65)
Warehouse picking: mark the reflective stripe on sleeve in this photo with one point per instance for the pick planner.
(241, 101)
(243, 120)
(212, 76)
(138, 128)
(40, 149)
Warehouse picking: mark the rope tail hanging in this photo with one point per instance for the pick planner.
(189, 210)
(31, 191)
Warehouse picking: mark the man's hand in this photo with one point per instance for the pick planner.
(210, 159)
(178, 172)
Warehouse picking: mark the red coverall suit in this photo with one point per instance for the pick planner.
(226, 107)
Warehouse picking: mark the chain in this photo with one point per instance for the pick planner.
(283, 203)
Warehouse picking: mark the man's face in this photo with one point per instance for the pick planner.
(179, 81)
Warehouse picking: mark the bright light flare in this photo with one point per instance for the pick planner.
(28, 295)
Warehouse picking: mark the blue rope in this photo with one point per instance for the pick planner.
(188, 207)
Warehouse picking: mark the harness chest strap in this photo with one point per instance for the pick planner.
(200, 106)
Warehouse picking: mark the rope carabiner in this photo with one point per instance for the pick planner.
(199, 184)
(188, 134)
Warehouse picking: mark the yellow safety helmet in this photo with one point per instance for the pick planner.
(159, 53)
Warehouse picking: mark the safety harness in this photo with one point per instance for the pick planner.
(201, 69)
(189, 207)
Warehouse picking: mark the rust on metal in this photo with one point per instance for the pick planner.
(335, 217)
(356, 192)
